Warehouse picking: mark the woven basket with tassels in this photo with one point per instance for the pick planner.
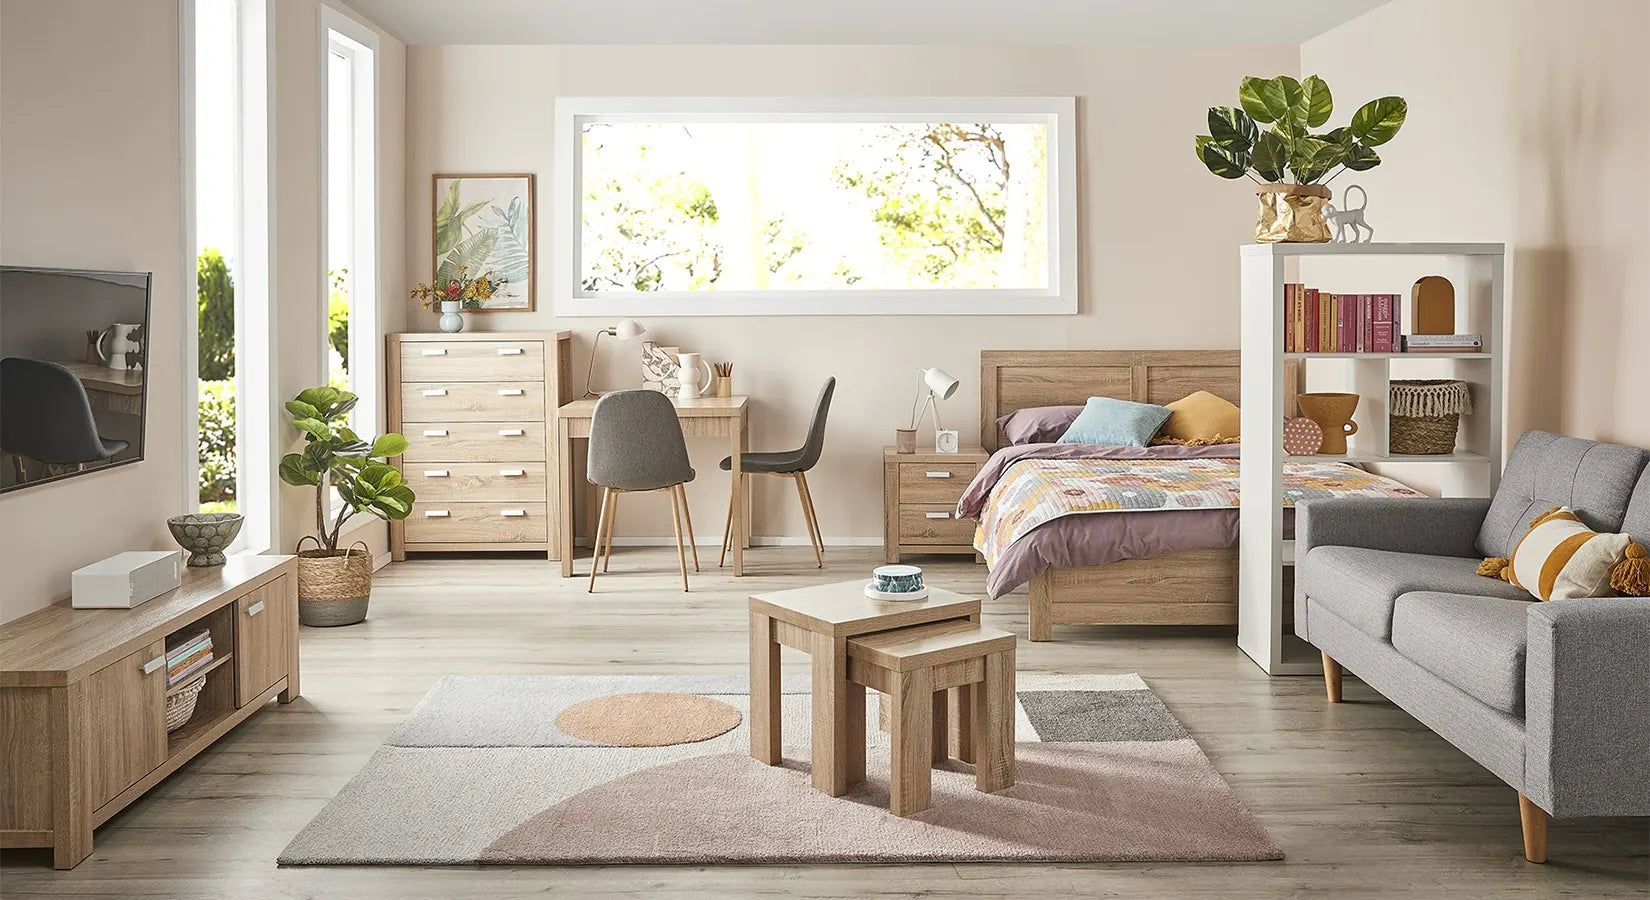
(334, 586)
(1426, 414)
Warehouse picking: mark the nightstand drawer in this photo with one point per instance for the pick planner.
(477, 482)
(934, 524)
(473, 401)
(479, 523)
(445, 442)
(934, 482)
(472, 361)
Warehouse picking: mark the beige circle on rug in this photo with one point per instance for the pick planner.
(648, 720)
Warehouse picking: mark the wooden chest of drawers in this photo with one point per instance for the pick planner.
(477, 410)
(919, 494)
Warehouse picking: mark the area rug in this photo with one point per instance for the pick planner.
(481, 772)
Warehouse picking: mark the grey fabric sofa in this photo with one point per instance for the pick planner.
(1554, 698)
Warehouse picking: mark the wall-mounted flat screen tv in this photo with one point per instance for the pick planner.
(74, 365)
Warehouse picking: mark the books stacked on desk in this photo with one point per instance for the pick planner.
(187, 654)
(1443, 343)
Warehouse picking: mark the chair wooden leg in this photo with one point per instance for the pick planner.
(727, 532)
(1332, 678)
(687, 513)
(601, 527)
(676, 526)
(807, 499)
(610, 508)
(1534, 819)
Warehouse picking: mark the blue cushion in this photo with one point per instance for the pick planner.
(1118, 422)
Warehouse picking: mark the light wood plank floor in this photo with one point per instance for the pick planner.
(1364, 800)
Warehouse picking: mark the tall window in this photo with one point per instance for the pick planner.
(705, 207)
(349, 327)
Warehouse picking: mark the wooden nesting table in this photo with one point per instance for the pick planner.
(821, 621)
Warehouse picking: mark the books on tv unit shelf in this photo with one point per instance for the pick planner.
(1318, 321)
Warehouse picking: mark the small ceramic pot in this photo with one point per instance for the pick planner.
(1301, 436)
(205, 535)
(452, 318)
(897, 579)
(1333, 413)
(905, 440)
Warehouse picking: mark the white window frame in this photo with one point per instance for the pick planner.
(1058, 298)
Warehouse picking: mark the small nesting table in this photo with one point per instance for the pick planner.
(819, 621)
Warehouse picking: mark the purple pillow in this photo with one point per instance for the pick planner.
(1037, 424)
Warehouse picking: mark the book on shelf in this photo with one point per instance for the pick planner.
(1443, 343)
(1319, 321)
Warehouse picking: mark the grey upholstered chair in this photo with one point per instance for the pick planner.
(46, 416)
(636, 444)
(793, 464)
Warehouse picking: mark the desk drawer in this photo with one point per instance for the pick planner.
(451, 442)
(934, 482)
(477, 482)
(934, 524)
(472, 361)
(472, 401)
(477, 523)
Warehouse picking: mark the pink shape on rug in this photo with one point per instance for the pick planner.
(1072, 802)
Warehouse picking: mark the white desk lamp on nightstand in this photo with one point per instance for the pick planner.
(940, 386)
(624, 330)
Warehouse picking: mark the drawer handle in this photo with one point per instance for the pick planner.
(435, 432)
(938, 515)
(436, 392)
(509, 351)
(510, 432)
(255, 608)
(937, 474)
(511, 473)
(435, 473)
(512, 513)
(428, 352)
(150, 667)
(435, 514)
(510, 392)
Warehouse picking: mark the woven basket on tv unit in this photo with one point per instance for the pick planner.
(1426, 415)
(180, 706)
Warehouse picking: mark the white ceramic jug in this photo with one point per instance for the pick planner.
(691, 366)
(121, 340)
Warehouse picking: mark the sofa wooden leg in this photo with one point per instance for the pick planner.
(1332, 679)
(1534, 820)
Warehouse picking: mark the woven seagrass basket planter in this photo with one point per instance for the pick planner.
(1426, 415)
(334, 586)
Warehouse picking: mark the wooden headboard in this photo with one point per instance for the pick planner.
(1016, 379)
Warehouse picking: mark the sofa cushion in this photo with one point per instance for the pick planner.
(1360, 585)
(1474, 643)
(1547, 470)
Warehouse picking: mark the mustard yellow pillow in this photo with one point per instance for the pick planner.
(1201, 418)
(1559, 558)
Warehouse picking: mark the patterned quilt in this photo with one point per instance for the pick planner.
(1033, 492)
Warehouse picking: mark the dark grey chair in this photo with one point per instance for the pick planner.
(793, 464)
(46, 416)
(636, 445)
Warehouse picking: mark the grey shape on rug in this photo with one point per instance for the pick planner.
(1100, 716)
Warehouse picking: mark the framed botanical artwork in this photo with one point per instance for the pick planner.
(484, 223)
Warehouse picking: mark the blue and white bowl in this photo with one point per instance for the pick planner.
(896, 583)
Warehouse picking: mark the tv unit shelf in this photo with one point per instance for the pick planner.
(83, 696)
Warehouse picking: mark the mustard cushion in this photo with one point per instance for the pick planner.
(1559, 558)
(1200, 418)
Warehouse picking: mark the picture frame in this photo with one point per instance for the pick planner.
(487, 221)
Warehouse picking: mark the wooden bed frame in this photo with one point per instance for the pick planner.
(1195, 587)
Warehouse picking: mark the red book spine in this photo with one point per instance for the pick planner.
(1311, 321)
(1381, 330)
(1343, 322)
(1366, 329)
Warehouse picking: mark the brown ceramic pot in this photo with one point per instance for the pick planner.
(1333, 413)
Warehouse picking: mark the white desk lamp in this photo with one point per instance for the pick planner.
(940, 386)
(624, 330)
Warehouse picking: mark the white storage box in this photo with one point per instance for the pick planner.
(126, 579)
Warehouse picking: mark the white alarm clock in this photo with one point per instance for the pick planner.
(945, 441)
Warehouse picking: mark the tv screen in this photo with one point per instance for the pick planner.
(74, 360)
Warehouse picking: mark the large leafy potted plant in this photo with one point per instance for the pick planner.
(334, 586)
(1236, 147)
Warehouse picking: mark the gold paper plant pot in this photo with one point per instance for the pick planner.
(1292, 213)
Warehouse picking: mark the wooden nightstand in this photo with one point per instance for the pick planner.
(919, 501)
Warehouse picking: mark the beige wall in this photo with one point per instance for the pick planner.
(1158, 261)
(1527, 123)
(90, 178)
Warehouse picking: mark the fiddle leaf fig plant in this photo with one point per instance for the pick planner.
(335, 457)
(1237, 147)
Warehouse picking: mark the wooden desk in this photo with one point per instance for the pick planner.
(704, 417)
(116, 390)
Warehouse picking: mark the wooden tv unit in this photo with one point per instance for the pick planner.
(83, 700)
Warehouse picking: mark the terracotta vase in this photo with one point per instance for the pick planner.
(1333, 413)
